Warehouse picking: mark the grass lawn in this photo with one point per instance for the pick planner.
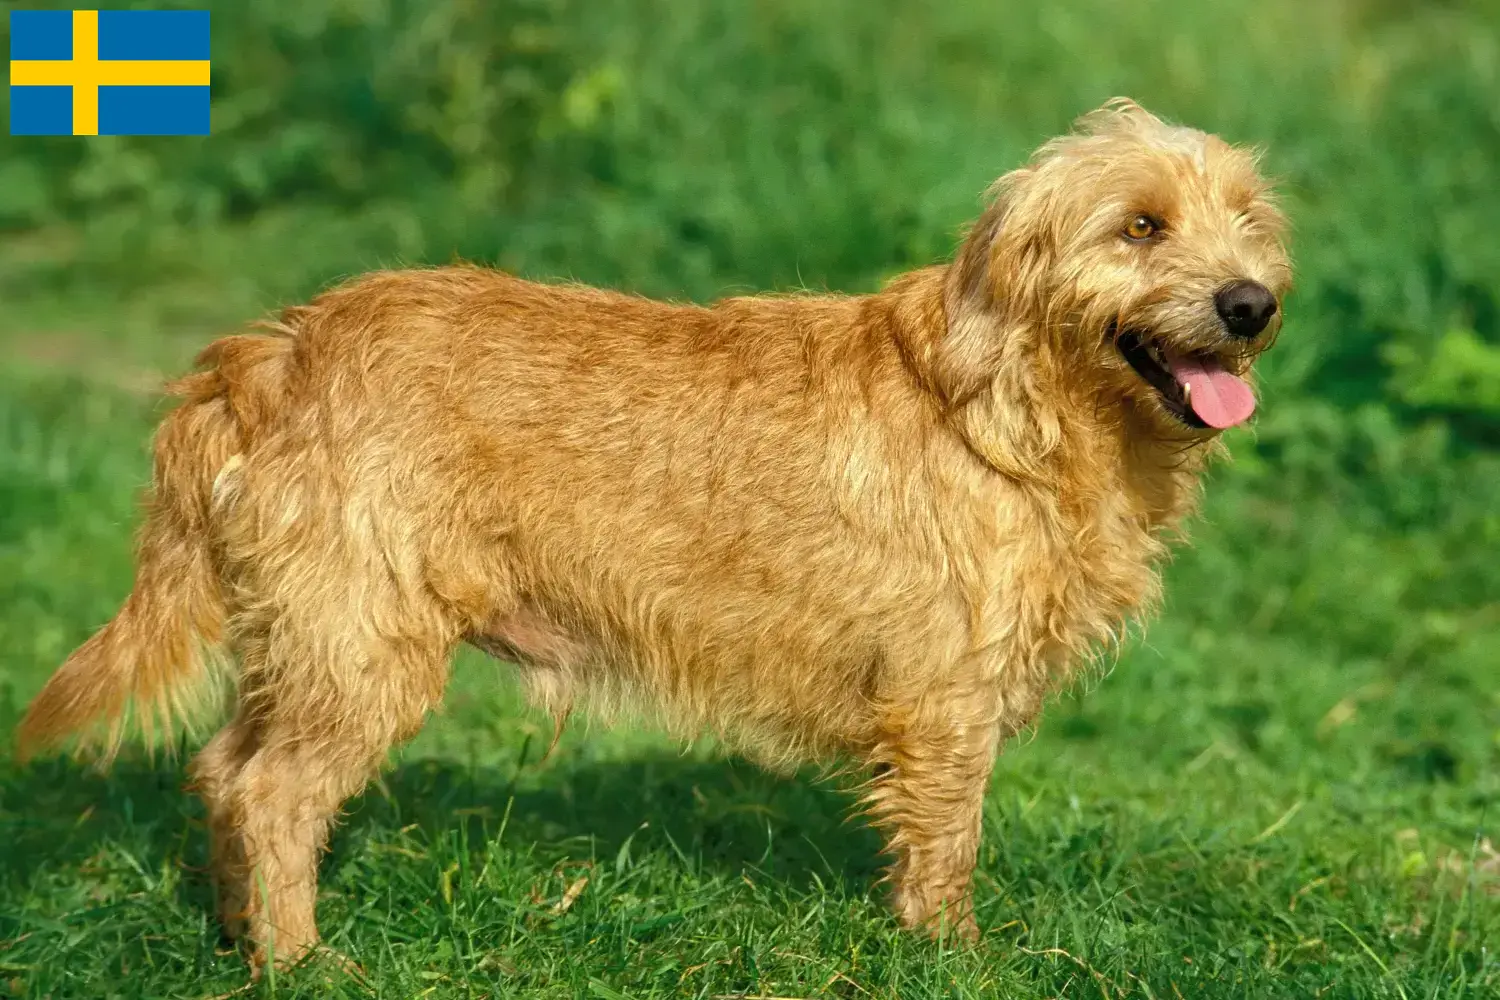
(1284, 790)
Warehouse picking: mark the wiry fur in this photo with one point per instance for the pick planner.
(875, 528)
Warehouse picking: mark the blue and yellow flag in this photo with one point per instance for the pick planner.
(111, 72)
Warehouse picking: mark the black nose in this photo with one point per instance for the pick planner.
(1245, 307)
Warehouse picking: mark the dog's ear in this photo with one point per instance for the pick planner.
(964, 358)
(994, 286)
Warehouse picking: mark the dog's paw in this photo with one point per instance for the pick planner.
(332, 960)
(947, 928)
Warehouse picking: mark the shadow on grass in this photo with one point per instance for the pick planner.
(717, 816)
(720, 815)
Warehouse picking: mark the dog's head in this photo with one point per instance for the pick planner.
(1145, 259)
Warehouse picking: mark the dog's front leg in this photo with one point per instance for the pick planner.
(933, 767)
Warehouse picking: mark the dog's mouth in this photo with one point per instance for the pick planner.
(1195, 388)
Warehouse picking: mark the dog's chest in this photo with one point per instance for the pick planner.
(1059, 581)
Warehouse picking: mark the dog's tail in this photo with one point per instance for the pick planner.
(156, 662)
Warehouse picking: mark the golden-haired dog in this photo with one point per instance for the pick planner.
(873, 529)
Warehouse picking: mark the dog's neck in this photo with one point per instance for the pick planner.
(1015, 398)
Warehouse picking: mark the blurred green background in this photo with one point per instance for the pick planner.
(1327, 658)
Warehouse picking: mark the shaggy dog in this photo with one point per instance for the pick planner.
(876, 529)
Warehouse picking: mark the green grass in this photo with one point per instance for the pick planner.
(1288, 788)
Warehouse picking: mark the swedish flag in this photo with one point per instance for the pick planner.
(112, 72)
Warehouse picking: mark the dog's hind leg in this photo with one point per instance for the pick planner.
(327, 688)
(214, 774)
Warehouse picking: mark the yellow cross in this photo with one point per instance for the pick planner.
(86, 73)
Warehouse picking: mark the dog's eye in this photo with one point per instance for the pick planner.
(1142, 227)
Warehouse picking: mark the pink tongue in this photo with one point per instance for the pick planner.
(1219, 398)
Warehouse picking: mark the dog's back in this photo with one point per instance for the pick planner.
(623, 495)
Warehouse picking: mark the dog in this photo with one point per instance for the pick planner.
(873, 529)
